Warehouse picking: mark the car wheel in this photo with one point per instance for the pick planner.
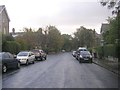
(33, 62)
(4, 68)
(41, 58)
(80, 61)
(77, 58)
(27, 62)
(45, 58)
(90, 61)
(18, 65)
(36, 59)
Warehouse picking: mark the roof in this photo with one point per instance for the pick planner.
(2, 7)
(104, 27)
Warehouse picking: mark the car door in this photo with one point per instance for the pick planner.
(42, 53)
(29, 57)
(32, 56)
(13, 60)
(7, 60)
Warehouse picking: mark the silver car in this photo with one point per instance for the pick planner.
(26, 57)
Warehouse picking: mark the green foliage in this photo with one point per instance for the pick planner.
(111, 4)
(113, 32)
(54, 39)
(49, 39)
(11, 46)
(107, 50)
(67, 42)
(23, 44)
(85, 37)
(110, 50)
(7, 38)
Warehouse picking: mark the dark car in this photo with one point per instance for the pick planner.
(39, 54)
(84, 56)
(8, 61)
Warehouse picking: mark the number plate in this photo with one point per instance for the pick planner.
(85, 58)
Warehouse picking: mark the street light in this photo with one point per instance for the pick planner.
(116, 47)
(102, 44)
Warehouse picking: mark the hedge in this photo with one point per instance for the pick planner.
(107, 50)
(11, 46)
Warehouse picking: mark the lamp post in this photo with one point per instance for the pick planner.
(102, 44)
(116, 47)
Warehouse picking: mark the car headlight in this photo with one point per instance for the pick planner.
(81, 56)
(90, 56)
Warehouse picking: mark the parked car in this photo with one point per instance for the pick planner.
(84, 56)
(8, 61)
(39, 54)
(26, 57)
(82, 49)
(74, 53)
(63, 50)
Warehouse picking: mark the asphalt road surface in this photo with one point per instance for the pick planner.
(60, 71)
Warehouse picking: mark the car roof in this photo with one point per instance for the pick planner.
(4, 52)
(24, 51)
(37, 50)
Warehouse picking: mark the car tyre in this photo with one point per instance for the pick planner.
(27, 62)
(4, 68)
(80, 61)
(41, 58)
(45, 58)
(33, 62)
(91, 61)
(18, 65)
(36, 59)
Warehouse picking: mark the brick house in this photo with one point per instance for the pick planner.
(4, 20)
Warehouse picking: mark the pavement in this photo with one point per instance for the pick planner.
(109, 65)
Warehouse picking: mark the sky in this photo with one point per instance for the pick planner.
(66, 15)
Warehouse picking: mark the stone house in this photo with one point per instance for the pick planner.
(4, 20)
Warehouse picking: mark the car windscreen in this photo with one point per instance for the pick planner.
(23, 54)
(82, 49)
(85, 53)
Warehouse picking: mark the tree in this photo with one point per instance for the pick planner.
(85, 37)
(67, 42)
(112, 36)
(54, 39)
(112, 4)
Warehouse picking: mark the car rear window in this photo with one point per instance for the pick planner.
(35, 51)
(85, 53)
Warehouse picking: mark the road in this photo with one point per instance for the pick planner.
(60, 71)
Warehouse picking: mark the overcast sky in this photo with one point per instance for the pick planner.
(66, 15)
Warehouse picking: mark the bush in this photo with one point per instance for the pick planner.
(110, 50)
(107, 50)
(11, 46)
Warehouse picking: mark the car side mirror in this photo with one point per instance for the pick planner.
(14, 56)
